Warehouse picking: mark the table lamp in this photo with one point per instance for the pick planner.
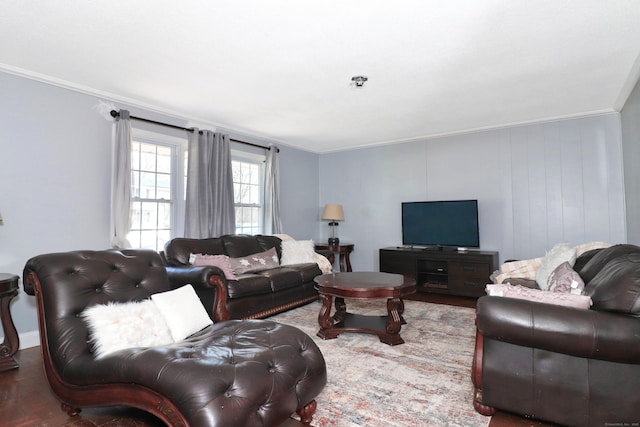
(333, 213)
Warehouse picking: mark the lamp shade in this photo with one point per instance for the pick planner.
(333, 213)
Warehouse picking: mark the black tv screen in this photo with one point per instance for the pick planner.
(441, 223)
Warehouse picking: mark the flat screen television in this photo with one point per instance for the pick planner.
(441, 223)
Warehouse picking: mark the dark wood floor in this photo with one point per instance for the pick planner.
(26, 400)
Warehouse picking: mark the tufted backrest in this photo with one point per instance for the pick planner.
(240, 245)
(67, 283)
(178, 250)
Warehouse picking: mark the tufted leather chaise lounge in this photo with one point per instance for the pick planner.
(233, 373)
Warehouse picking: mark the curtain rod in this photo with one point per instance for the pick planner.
(115, 113)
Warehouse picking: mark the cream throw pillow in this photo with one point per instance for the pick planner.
(298, 252)
(183, 311)
(165, 318)
(118, 326)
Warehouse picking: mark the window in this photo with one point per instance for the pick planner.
(248, 182)
(157, 189)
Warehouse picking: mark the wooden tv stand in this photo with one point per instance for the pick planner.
(442, 271)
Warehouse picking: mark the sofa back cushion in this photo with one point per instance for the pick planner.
(268, 242)
(616, 287)
(177, 251)
(602, 258)
(241, 245)
(584, 258)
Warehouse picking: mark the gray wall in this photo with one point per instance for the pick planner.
(55, 153)
(630, 118)
(537, 185)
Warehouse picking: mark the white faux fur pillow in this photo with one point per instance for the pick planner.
(297, 252)
(560, 253)
(183, 311)
(117, 326)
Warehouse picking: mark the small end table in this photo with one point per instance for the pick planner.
(9, 347)
(344, 249)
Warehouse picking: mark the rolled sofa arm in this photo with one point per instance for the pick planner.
(582, 333)
(209, 283)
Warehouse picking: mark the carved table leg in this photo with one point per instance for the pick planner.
(341, 309)
(11, 342)
(394, 322)
(324, 318)
(401, 311)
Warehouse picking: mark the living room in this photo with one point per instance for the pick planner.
(551, 179)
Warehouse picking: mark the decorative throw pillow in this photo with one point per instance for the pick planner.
(560, 253)
(537, 295)
(255, 262)
(220, 261)
(118, 326)
(298, 252)
(565, 279)
(183, 311)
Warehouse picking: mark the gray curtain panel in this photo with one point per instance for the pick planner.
(271, 220)
(121, 182)
(209, 209)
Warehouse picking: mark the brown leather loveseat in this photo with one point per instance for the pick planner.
(253, 295)
(566, 365)
(233, 373)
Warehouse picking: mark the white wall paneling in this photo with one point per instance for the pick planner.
(630, 125)
(537, 185)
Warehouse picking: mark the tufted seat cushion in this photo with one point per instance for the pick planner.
(233, 373)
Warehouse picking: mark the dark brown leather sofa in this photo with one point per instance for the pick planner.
(234, 373)
(253, 295)
(566, 365)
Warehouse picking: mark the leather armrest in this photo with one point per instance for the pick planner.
(583, 333)
(209, 283)
(197, 276)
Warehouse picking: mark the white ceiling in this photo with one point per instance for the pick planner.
(281, 69)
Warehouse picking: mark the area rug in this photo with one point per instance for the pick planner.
(424, 382)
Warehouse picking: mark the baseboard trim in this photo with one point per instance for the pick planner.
(28, 339)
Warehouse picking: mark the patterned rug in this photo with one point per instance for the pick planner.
(424, 382)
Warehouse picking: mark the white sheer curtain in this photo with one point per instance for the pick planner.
(209, 209)
(271, 220)
(121, 182)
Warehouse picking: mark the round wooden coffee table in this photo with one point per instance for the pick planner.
(363, 285)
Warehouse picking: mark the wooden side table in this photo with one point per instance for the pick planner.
(9, 347)
(344, 249)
